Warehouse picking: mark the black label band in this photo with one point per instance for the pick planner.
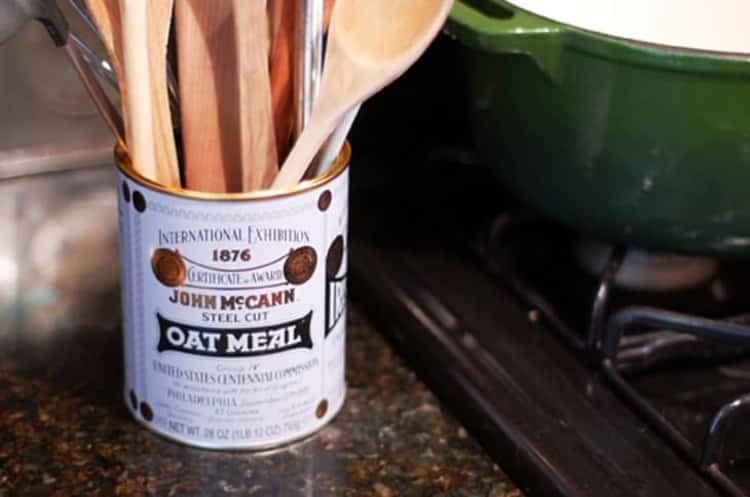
(247, 342)
(335, 302)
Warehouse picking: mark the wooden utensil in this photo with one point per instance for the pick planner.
(332, 146)
(282, 15)
(209, 95)
(369, 45)
(258, 148)
(154, 157)
(140, 136)
(106, 14)
(328, 10)
(165, 151)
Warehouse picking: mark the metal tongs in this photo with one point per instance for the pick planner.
(14, 14)
(308, 57)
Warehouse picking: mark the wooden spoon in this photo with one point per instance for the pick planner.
(259, 162)
(370, 44)
(326, 157)
(209, 95)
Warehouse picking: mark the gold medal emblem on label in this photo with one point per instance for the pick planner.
(300, 265)
(168, 267)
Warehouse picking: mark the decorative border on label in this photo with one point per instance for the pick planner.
(223, 217)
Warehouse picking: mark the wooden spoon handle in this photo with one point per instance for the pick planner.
(140, 136)
(282, 14)
(330, 150)
(159, 21)
(259, 162)
(307, 145)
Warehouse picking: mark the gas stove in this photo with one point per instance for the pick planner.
(584, 369)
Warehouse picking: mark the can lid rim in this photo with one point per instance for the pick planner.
(124, 164)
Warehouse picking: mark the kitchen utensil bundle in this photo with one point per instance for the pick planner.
(254, 86)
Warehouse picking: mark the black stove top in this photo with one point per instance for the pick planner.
(576, 387)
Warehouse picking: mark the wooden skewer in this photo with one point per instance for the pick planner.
(209, 95)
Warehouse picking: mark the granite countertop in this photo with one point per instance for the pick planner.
(65, 432)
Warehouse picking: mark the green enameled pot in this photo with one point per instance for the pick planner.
(629, 141)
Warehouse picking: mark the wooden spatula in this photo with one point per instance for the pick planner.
(259, 162)
(209, 95)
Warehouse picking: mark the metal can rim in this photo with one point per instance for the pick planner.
(124, 164)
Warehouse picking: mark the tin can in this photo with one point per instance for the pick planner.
(234, 309)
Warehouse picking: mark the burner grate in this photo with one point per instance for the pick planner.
(662, 335)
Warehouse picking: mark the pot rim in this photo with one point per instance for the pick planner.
(648, 39)
(524, 32)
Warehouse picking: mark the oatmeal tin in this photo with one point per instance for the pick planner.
(234, 309)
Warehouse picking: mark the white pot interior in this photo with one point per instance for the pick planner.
(718, 25)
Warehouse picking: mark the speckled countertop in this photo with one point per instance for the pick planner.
(65, 432)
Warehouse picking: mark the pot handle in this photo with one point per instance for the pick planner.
(517, 32)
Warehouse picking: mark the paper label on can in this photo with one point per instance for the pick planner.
(234, 313)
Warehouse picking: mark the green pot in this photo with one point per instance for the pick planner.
(629, 142)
